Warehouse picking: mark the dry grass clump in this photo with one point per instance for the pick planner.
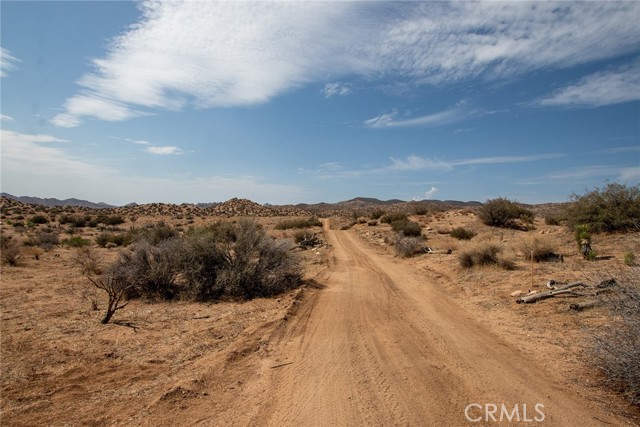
(538, 248)
(462, 233)
(617, 349)
(486, 253)
(10, 250)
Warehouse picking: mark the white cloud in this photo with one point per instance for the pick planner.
(163, 150)
(431, 192)
(246, 53)
(339, 89)
(506, 159)
(5, 118)
(389, 120)
(138, 141)
(599, 89)
(7, 62)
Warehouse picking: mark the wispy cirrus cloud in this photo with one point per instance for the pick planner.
(7, 62)
(5, 118)
(461, 111)
(418, 163)
(597, 90)
(336, 89)
(246, 53)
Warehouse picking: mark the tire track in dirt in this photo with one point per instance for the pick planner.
(382, 346)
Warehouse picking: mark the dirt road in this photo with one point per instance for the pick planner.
(382, 346)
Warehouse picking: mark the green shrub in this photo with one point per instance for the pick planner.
(407, 228)
(156, 233)
(461, 233)
(502, 212)
(298, 223)
(582, 235)
(629, 259)
(615, 208)
(39, 219)
(392, 217)
(75, 242)
(553, 219)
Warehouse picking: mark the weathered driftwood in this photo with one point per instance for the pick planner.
(543, 295)
(579, 306)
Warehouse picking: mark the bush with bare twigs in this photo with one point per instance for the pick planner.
(617, 349)
(538, 248)
(10, 250)
(407, 247)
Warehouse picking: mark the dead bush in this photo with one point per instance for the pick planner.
(115, 282)
(87, 259)
(10, 250)
(407, 247)
(616, 349)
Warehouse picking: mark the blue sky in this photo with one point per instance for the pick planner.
(305, 102)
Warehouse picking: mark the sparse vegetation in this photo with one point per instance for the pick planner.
(614, 208)
(114, 239)
(88, 261)
(484, 254)
(298, 223)
(502, 212)
(629, 259)
(582, 235)
(39, 219)
(462, 233)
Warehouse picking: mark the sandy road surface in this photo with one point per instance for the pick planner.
(382, 346)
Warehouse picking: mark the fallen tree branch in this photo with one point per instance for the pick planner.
(543, 295)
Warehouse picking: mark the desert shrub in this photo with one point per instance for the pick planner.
(376, 214)
(17, 224)
(9, 250)
(502, 212)
(39, 219)
(75, 242)
(372, 223)
(484, 254)
(154, 268)
(298, 223)
(462, 233)
(258, 265)
(614, 208)
(73, 220)
(408, 246)
(116, 282)
(114, 239)
(553, 219)
(629, 258)
(407, 227)
(418, 208)
(88, 260)
(392, 217)
(47, 241)
(202, 257)
(538, 248)
(300, 235)
(156, 233)
(617, 349)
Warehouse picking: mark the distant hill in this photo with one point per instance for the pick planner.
(56, 202)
